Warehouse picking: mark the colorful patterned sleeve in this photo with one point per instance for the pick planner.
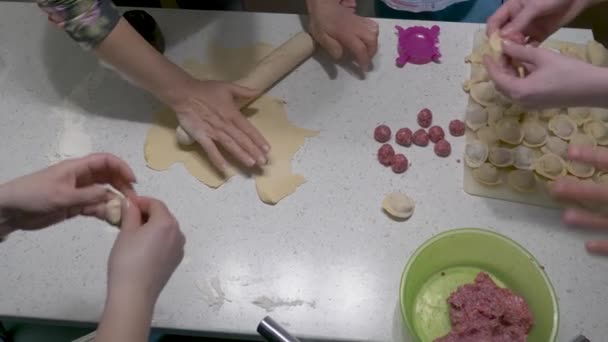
(88, 22)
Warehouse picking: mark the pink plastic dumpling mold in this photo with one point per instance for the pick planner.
(418, 45)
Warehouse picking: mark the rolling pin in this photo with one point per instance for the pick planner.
(270, 70)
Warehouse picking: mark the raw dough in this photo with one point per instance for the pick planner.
(277, 181)
(114, 211)
(398, 205)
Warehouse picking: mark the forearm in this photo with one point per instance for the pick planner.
(126, 318)
(126, 51)
(5, 196)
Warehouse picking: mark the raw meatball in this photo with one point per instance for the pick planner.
(404, 137)
(443, 148)
(382, 133)
(399, 163)
(421, 138)
(457, 128)
(386, 154)
(436, 133)
(425, 118)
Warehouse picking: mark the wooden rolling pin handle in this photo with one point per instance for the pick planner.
(270, 70)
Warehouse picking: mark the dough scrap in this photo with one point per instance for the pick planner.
(114, 211)
(276, 180)
(398, 205)
(597, 53)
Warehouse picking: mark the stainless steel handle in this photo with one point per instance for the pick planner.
(273, 332)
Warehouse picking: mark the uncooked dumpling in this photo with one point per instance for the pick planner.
(514, 110)
(488, 135)
(476, 116)
(597, 53)
(501, 156)
(475, 154)
(574, 50)
(597, 130)
(478, 74)
(601, 177)
(550, 166)
(556, 146)
(600, 114)
(495, 113)
(524, 158)
(535, 135)
(580, 115)
(487, 174)
(495, 43)
(562, 126)
(547, 114)
(183, 138)
(114, 211)
(486, 94)
(579, 169)
(398, 205)
(522, 180)
(509, 130)
(476, 57)
(582, 139)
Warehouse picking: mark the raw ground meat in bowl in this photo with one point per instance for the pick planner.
(454, 258)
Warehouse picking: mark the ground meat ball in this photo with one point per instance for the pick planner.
(399, 164)
(404, 137)
(382, 133)
(425, 118)
(436, 133)
(443, 148)
(386, 154)
(483, 311)
(421, 138)
(457, 128)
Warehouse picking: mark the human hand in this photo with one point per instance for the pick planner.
(536, 19)
(64, 190)
(553, 80)
(208, 112)
(149, 247)
(336, 27)
(585, 193)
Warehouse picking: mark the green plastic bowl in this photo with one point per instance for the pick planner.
(454, 258)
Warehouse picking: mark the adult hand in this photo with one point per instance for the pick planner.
(587, 193)
(537, 19)
(545, 85)
(336, 27)
(64, 190)
(149, 247)
(208, 112)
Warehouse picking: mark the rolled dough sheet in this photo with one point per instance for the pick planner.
(274, 181)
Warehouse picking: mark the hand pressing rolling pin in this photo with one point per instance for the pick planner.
(147, 250)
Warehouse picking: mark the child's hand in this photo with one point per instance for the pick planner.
(553, 81)
(64, 190)
(147, 250)
(336, 27)
(582, 192)
(537, 19)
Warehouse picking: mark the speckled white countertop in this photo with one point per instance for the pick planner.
(325, 259)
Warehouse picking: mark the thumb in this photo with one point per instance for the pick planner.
(89, 195)
(332, 46)
(243, 92)
(522, 53)
(131, 216)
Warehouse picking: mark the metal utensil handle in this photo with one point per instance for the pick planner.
(273, 332)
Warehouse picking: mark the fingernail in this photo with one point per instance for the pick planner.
(574, 151)
(569, 216)
(592, 245)
(507, 42)
(262, 161)
(266, 148)
(250, 161)
(127, 203)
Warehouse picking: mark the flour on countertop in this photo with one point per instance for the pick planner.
(270, 304)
